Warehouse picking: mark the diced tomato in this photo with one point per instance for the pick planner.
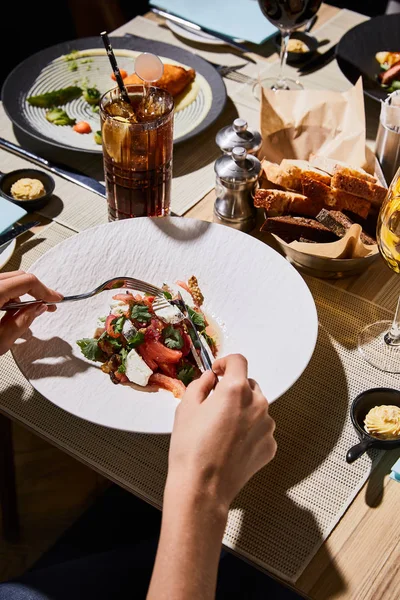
(123, 74)
(148, 301)
(109, 326)
(82, 127)
(122, 378)
(160, 353)
(168, 369)
(186, 343)
(168, 383)
(147, 359)
(125, 298)
(154, 330)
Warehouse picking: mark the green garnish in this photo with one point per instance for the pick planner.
(172, 338)
(124, 353)
(90, 348)
(136, 340)
(193, 337)
(96, 109)
(102, 319)
(186, 374)
(92, 95)
(97, 137)
(56, 97)
(140, 313)
(58, 116)
(86, 60)
(210, 341)
(167, 295)
(73, 55)
(197, 318)
(73, 65)
(118, 324)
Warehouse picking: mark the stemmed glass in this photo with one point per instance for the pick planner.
(379, 343)
(287, 15)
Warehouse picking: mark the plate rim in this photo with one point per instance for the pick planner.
(340, 59)
(12, 101)
(11, 246)
(314, 318)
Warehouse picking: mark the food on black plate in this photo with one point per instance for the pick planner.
(55, 97)
(58, 116)
(389, 76)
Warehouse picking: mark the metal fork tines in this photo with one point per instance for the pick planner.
(231, 72)
(110, 284)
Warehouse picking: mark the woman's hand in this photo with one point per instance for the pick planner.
(221, 439)
(15, 323)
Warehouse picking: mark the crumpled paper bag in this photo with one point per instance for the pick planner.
(295, 124)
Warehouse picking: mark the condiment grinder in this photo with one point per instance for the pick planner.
(238, 134)
(236, 181)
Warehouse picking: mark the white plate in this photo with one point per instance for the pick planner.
(6, 252)
(196, 36)
(262, 305)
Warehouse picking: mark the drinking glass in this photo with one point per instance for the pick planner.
(137, 140)
(379, 343)
(287, 15)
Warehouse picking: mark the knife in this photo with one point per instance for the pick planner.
(190, 25)
(16, 231)
(79, 178)
(204, 356)
(319, 61)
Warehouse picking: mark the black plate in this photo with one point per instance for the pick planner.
(356, 51)
(21, 79)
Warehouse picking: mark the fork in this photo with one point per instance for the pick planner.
(110, 284)
(230, 72)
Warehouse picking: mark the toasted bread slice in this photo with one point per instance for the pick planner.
(345, 180)
(328, 165)
(278, 202)
(293, 228)
(339, 224)
(334, 199)
(302, 168)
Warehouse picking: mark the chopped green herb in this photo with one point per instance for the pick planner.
(136, 340)
(58, 116)
(124, 353)
(140, 313)
(186, 374)
(197, 318)
(56, 97)
(73, 55)
(97, 137)
(90, 348)
(172, 338)
(87, 60)
(73, 65)
(167, 295)
(102, 319)
(96, 109)
(193, 337)
(118, 324)
(210, 341)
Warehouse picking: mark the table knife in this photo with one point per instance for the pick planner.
(16, 231)
(318, 62)
(205, 359)
(220, 36)
(79, 178)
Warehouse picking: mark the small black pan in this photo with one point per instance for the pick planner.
(8, 179)
(361, 405)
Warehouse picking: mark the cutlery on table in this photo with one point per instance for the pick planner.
(15, 232)
(79, 178)
(318, 62)
(231, 72)
(194, 27)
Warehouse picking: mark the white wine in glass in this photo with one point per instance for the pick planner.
(379, 343)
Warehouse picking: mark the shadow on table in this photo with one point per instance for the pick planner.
(278, 503)
(21, 249)
(181, 164)
(182, 230)
(55, 347)
(53, 208)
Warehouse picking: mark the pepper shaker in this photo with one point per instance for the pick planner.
(238, 134)
(236, 181)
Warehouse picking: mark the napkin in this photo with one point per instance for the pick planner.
(240, 19)
(10, 213)
(395, 474)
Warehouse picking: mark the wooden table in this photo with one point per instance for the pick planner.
(361, 558)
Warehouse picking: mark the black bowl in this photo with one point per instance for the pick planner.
(361, 405)
(8, 179)
(298, 57)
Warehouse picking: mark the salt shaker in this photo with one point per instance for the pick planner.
(238, 134)
(236, 181)
(387, 149)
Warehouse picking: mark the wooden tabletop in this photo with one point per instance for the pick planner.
(361, 558)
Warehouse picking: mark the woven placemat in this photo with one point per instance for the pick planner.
(289, 508)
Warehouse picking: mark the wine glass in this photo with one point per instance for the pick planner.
(379, 343)
(287, 15)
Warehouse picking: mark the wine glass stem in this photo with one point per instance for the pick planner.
(285, 35)
(392, 338)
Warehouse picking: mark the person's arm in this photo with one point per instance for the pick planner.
(219, 441)
(14, 323)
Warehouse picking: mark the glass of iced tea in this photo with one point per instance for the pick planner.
(137, 143)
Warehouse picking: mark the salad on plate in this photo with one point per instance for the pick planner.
(137, 345)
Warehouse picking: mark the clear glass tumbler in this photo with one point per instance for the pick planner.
(137, 144)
